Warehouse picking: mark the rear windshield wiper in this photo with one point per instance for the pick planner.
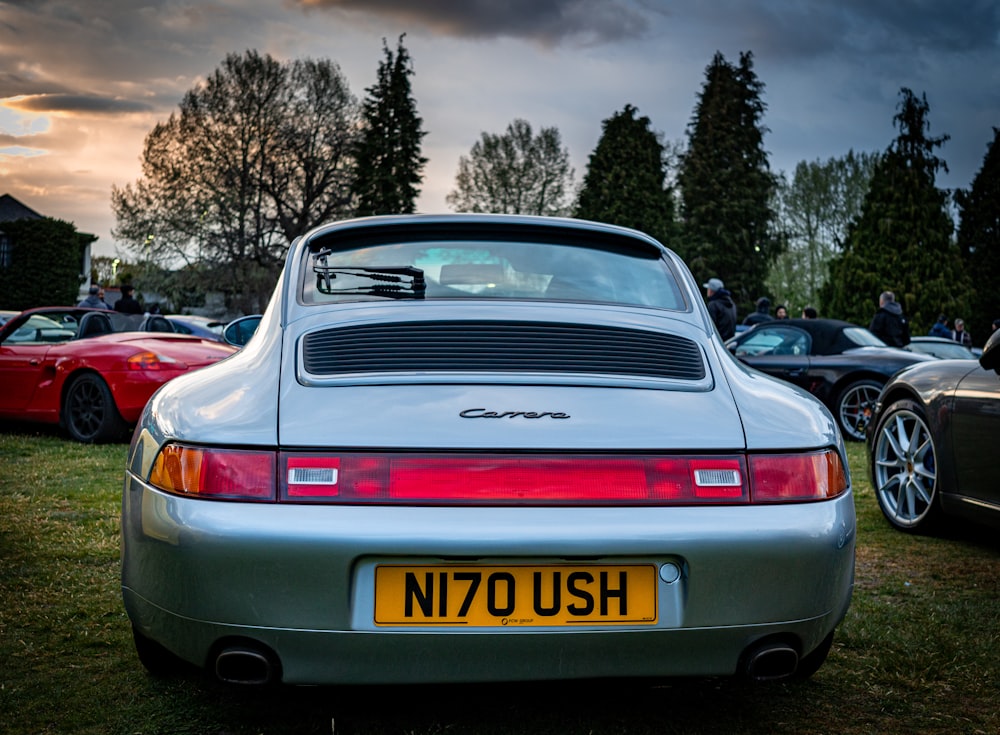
(395, 281)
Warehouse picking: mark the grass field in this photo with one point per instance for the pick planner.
(918, 652)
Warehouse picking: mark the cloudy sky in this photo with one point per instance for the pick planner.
(83, 81)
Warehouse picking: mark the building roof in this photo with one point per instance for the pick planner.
(11, 209)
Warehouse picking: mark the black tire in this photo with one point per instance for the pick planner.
(89, 411)
(854, 407)
(904, 469)
(156, 659)
(810, 663)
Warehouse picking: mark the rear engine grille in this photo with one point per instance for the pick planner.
(484, 346)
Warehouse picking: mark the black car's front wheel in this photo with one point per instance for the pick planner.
(904, 468)
(89, 411)
(855, 405)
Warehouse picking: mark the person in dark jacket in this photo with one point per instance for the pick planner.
(940, 328)
(889, 324)
(721, 307)
(127, 304)
(763, 313)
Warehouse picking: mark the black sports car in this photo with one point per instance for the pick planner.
(932, 441)
(842, 364)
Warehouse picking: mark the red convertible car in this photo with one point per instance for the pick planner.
(90, 370)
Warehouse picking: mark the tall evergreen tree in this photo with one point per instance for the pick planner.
(625, 179)
(389, 164)
(726, 184)
(902, 240)
(979, 242)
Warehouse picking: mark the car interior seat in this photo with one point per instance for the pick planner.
(94, 323)
(158, 324)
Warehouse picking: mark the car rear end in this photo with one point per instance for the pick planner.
(135, 364)
(393, 490)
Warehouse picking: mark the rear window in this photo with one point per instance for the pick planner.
(766, 340)
(862, 337)
(489, 270)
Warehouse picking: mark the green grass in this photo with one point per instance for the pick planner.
(916, 654)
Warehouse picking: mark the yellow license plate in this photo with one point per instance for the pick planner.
(549, 595)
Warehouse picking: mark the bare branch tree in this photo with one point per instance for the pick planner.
(515, 173)
(257, 155)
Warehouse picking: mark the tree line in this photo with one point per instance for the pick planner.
(263, 151)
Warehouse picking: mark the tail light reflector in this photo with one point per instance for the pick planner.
(513, 479)
(786, 477)
(154, 361)
(498, 479)
(215, 473)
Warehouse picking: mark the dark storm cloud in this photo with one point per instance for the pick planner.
(109, 50)
(774, 28)
(546, 21)
(931, 24)
(12, 85)
(92, 104)
(817, 28)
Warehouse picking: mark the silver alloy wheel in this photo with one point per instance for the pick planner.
(905, 468)
(856, 406)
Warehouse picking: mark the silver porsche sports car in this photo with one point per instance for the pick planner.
(467, 448)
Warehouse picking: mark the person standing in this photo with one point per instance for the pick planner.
(721, 307)
(940, 328)
(95, 299)
(810, 313)
(960, 335)
(889, 324)
(763, 313)
(780, 312)
(127, 304)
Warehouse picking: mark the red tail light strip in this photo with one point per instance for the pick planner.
(498, 479)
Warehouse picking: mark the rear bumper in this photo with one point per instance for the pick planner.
(339, 657)
(298, 580)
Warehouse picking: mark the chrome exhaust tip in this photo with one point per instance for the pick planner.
(772, 662)
(244, 666)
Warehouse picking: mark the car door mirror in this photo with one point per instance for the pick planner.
(990, 358)
(239, 331)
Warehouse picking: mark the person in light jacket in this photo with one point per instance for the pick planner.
(95, 299)
(960, 335)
